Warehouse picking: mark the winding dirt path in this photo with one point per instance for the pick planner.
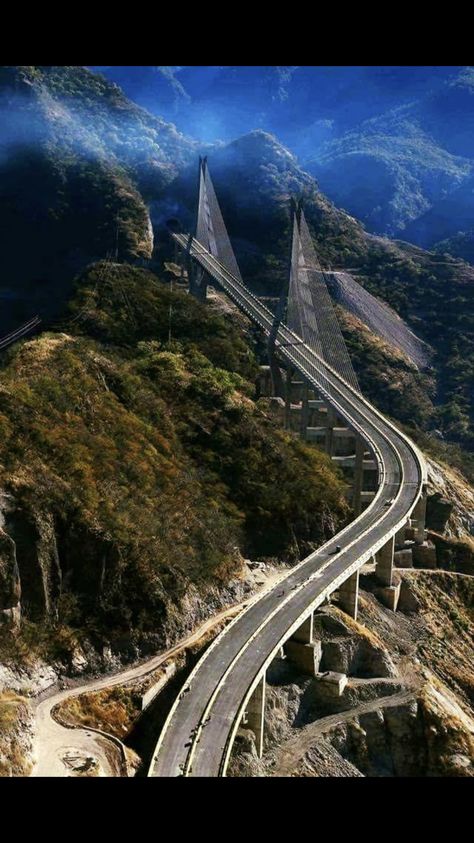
(61, 752)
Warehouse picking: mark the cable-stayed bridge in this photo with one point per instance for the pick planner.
(227, 686)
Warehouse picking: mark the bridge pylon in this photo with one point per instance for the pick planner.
(281, 389)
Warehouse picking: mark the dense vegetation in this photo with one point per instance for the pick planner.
(136, 468)
(407, 172)
(461, 246)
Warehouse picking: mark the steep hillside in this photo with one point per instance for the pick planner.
(446, 216)
(397, 171)
(459, 246)
(78, 165)
(135, 472)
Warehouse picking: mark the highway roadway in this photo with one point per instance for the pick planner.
(20, 332)
(198, 735)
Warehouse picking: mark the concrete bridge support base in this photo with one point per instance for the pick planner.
(302, 650)
(349, 595)
(389, 595)
(305, 657)
(254, 717)
(330, 685)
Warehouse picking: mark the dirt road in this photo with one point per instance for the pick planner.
(61, 752)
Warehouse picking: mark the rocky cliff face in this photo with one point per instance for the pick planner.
(407, 709)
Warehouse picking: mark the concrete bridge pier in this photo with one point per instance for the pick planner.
(288, 396)
(400, 536)
(389, 593)
(331, 420)
(349, 595)
(304, 411)
(198, 281)
(254, 717)
(358, 475)
(302, 650)
(419, 518)
(384, 560)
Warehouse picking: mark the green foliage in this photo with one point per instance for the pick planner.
(124, 306)
(152, 463)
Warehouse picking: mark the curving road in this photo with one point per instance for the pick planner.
(20, 332)
(198, 735)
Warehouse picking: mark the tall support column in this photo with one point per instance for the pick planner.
(289, 378)
(349, 595)
(419, 516)
(304, 412)
(358, 475)
(400, 537)
(330, 423)
(384, 563)
(304, 633)
(302, 650)
(255, 714)
(198, 281)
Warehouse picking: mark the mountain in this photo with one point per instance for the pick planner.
(301, 104)
(78, 163)
(86, 173)
(461, 246)
(255, 176)
(385, 143)
(446, 217)
(407, 172)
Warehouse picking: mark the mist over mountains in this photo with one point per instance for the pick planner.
(391, 145)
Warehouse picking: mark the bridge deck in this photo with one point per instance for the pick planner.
(198, 735)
